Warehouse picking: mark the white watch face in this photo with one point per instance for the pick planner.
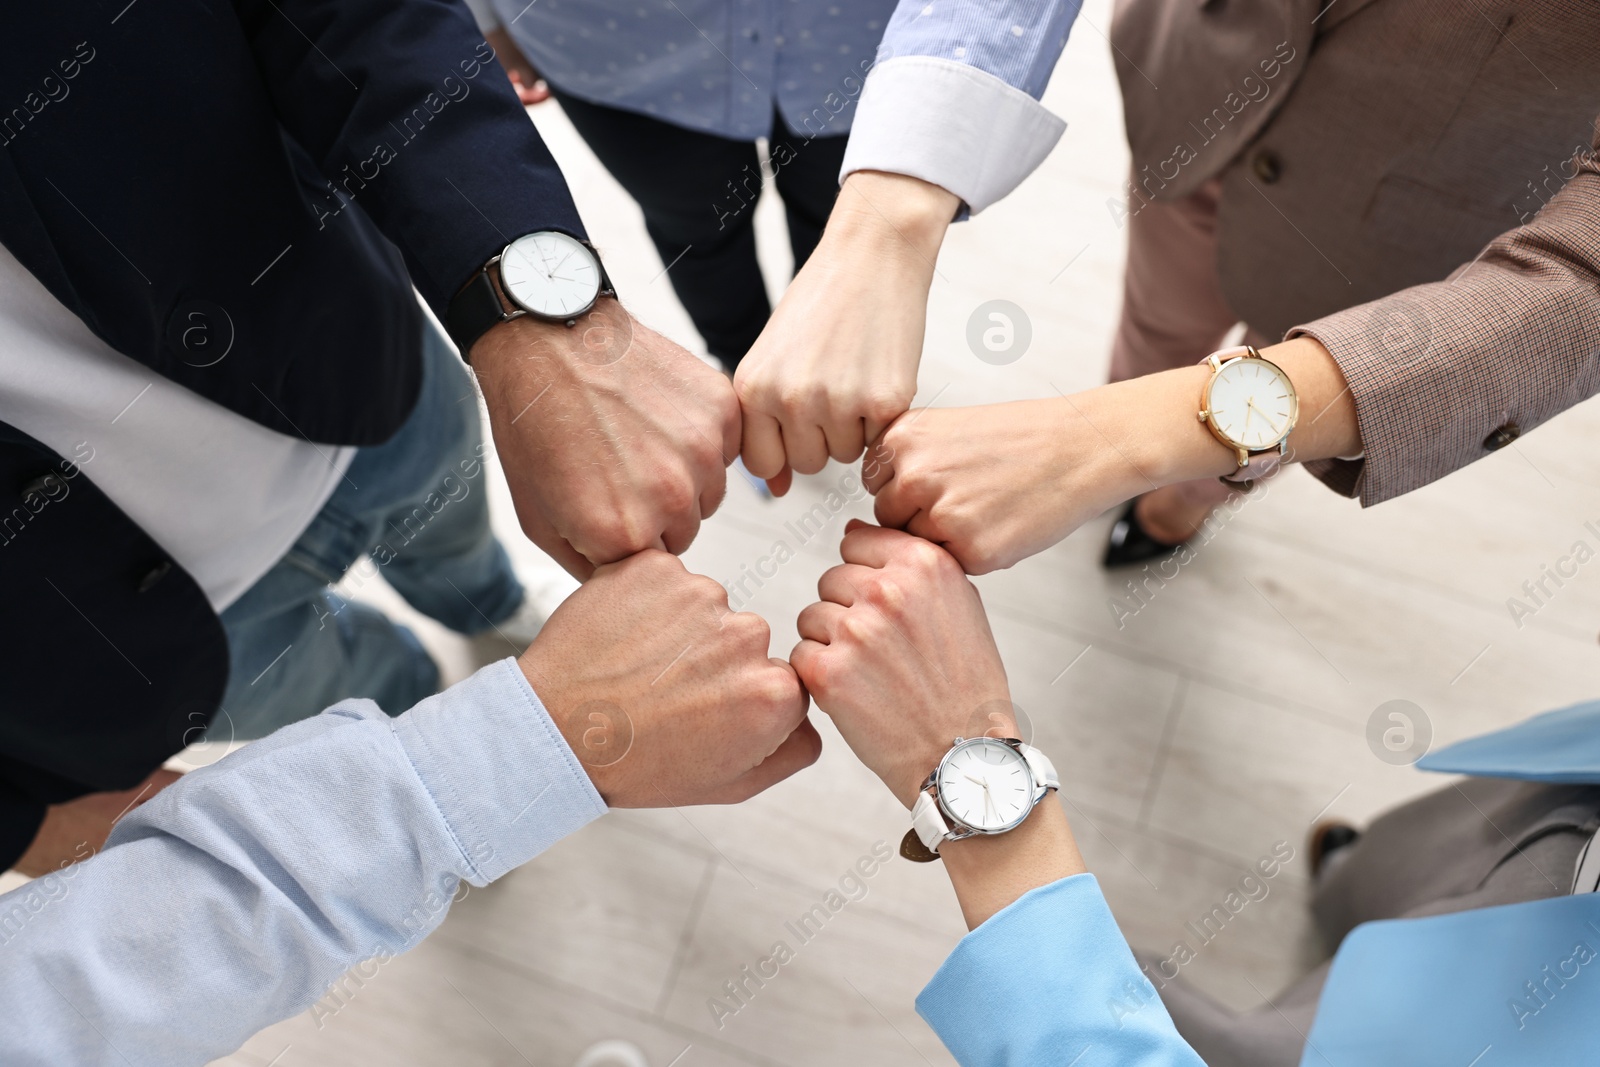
(1251, 403)
(986, 784)
(550, 274)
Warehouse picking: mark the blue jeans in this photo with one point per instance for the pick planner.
(416, 510)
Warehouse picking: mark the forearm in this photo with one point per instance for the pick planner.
(239, 894)
(1151, 429)
(990, 873)
(890, 222)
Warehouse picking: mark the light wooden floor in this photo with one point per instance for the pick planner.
(1223, 718)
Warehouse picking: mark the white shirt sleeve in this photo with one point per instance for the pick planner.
(954, 97)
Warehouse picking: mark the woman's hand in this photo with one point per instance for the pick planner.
(995, 484)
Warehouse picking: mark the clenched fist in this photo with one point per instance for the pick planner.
(666, 696)
(898, 651)
(838, 360)
(613, 438)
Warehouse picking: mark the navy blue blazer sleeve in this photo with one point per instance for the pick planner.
(404, 108)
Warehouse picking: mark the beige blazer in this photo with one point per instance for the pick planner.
(1367, 148)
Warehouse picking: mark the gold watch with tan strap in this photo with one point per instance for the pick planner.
(1249, 404)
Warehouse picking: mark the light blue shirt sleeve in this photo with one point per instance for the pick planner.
(1050, 980)
(238, 895)
(954, 97)
(1017, 41)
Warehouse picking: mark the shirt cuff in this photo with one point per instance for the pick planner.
(1046, 980)
(945, 122)
(501, 774)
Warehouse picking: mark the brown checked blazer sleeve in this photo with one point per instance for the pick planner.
(1445, 373)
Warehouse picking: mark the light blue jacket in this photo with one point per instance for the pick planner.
(1050, 980)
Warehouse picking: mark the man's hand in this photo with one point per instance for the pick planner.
(74, 831)
(666, 696)
(899, 652)
(838, 360)
(613, 438)
(530, 87)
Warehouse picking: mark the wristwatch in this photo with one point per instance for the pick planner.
(549, 275)
(1250, 405)
(984, 785)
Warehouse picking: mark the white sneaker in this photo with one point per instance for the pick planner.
(612, 1053)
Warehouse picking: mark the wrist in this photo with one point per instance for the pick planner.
(894, 220)
(597, 338)
(1151, 430)
(1154, 424)
(990, 873)
(993, 718)
(592, 729)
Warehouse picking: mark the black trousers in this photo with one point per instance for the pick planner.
(698, 194)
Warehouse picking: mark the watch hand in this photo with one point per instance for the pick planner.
(1271, 425)
(976, 781)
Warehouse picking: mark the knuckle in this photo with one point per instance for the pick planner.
(926, 558)
(978, 559)
(889, 594)
(943, 517)
(858, 628)
(750, 380)
(819, 674)
(628, 531)
(675, 495)
(778, 688)
(747, 626)
(702, 450)
(705, 589)
(794, 396)
(881, 405)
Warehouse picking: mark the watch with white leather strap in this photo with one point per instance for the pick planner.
(1249, 404)
(983, 785)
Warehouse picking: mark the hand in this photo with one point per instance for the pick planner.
(838, 360)
(998, 483)
(613, 438)
(74, 831)
(666, 696)
(899, 652)
(530, 87)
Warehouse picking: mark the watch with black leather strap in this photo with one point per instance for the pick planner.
(548, 275)
(983, 785)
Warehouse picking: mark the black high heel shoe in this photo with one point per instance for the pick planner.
(1130, 544)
